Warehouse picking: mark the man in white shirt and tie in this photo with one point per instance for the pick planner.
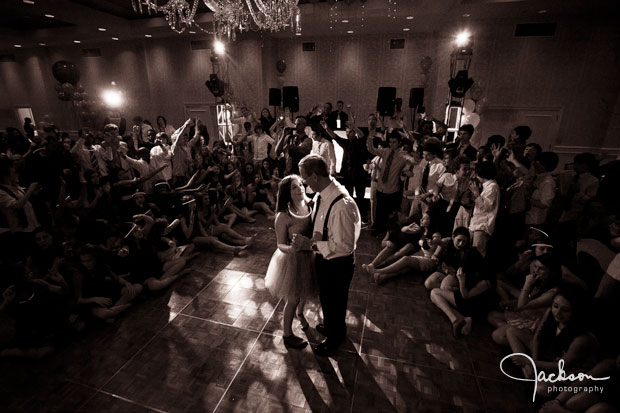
(336, 229)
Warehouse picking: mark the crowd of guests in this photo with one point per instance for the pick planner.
(499, 234)
(504, 235)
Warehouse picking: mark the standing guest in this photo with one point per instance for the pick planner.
(17, 216)
(336, 229)
(140, 128)
(518, 139)
(463, 145)
(163, 126)
(266, 120)
(432, 169)
(161, 155)
(181, 152)
(354, 158)
(389, 184)
(290, 273)
(262, 146)
(295, 146)
(91, 155)
(323, 147)
(29, 128)
(486, 205)
(329, 116)
(544, 189)
(341, 118)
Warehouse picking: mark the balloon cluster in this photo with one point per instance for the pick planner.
(472, 108)
(69, 89)
(68, 92)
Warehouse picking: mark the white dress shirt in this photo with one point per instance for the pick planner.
(485, 208)
(325, 149)
(344, 223)
(162, 155)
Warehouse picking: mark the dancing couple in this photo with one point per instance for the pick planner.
(316, 245)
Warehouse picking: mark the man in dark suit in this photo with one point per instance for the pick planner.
(462, 143)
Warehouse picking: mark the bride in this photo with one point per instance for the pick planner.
(290, 273)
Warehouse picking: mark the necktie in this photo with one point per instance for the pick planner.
(316, 208)
(388, 164)
(427, 170)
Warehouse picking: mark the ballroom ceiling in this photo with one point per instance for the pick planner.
(30, 23)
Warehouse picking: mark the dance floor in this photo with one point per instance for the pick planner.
(213, 342)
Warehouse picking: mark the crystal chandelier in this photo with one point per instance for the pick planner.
(229, 16)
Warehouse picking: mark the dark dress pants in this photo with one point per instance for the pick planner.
(334, 277)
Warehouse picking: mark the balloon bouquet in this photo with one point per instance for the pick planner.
(473, 107)
(69, 90)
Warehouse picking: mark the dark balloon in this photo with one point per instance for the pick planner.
(66, 72)
(280, 66)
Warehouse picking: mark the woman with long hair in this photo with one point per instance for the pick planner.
(290, 272)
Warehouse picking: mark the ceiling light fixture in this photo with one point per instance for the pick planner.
(350, 31)
(17, 45)
(229, 16)
(102, 29)
(115, 38)
(42, 44)
(297, 34)
(192, 32)
(466, 15)
(28, 1)
(409, 17)
(147, 35)
(76, 41)
(406, 29)
(49, 16)
(344, 21)
(542, 11)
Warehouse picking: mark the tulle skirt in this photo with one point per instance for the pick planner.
(291, 275)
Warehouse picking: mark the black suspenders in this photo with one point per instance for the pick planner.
(329, 210)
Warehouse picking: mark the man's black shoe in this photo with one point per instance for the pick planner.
(321, 329)
(327, 348)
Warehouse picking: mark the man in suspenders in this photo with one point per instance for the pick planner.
(336, 229)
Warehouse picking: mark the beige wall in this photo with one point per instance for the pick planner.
(575, 73)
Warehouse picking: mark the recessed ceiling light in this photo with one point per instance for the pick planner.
(76, 41)
(192, 32)
(42, 44)
(115, 38)
(542, 11)
(102, 29)
(297, 34)
(344, 20)
(409, 17)
(17, 45)
(147, 35)
(466, 15)
(406, 29)
(350, 31)
(28, 1)
(50, 16)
